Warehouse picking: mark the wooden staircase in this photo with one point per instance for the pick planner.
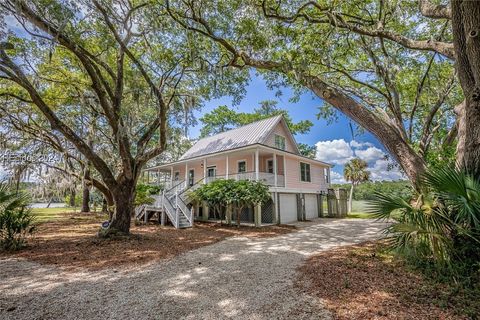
(173, 203)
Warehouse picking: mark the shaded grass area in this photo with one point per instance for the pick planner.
(360, 215)
(52, 214)
(360, 210)
(70, 242)
(366, 282)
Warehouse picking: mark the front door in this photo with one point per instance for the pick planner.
(270, 166)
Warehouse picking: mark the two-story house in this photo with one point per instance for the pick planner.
(264, 151)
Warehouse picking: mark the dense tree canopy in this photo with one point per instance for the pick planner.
(388, 65)
(115, 70)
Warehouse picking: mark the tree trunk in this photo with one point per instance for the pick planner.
(104, 205)
(85, 198)
(73, 194)
(411, 162)
(123, 198)
(86, 191)
(466, 40)
(350, 199)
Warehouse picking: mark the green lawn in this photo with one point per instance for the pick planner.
(51, 214)
(359, 210)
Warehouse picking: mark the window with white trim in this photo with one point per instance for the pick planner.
(242, 166)
(279, 142)
(305, 172)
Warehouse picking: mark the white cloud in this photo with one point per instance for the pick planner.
(371, 154)
(381, 171)
(340, 152)
(334, 151)
(357, 144)
(336, 177)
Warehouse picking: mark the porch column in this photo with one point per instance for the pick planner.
(158, 177)
(256, 165)
(226, 168)
(186, 174)
(205, 170)
(275, 169)
(284, 172)
(171, 175)
(257, 215)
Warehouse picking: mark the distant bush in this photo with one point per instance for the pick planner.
(16, 219)
(78, 199)
(367, 190)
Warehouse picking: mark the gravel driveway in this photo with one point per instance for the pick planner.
(236, 278)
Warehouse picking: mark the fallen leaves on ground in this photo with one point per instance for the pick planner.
(72, 242)
(360, 282)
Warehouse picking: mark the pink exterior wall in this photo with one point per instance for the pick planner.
(293, 175)
(263, 163)
(282, 131)
(219, 163)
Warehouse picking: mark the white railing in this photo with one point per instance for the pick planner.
(158, 201)
(169, 210)
(181, 205)
(265, 177)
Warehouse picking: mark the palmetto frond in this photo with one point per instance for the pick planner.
(428, 224)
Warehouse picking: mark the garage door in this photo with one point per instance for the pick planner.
(288, 208)
(311, 210)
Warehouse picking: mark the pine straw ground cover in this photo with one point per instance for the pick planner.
(366, 282)
(70, 242)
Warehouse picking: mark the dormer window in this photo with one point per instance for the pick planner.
(279, 142)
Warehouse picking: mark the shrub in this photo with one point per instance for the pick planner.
(16, 219)
(214, 194)
(239, 194)
(439, 228)
(143, 193)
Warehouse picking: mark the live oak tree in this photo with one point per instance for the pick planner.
(134, 68)
(388, 65)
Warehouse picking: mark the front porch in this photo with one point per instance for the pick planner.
(257, 164)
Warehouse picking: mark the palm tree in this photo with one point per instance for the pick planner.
(441, 225)
(356, 172)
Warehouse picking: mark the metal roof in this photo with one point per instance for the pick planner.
(249, 134)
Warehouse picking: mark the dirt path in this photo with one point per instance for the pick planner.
(236, 278)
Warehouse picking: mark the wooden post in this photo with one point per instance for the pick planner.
(275, 169)
(284, 172)
(277, 207)
(205, 170)
(332, 203)
(257, 215)
(320, 204)
(256, 165)
(226, 168)
(205, 212)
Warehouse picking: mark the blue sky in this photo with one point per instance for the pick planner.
(334, 141)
